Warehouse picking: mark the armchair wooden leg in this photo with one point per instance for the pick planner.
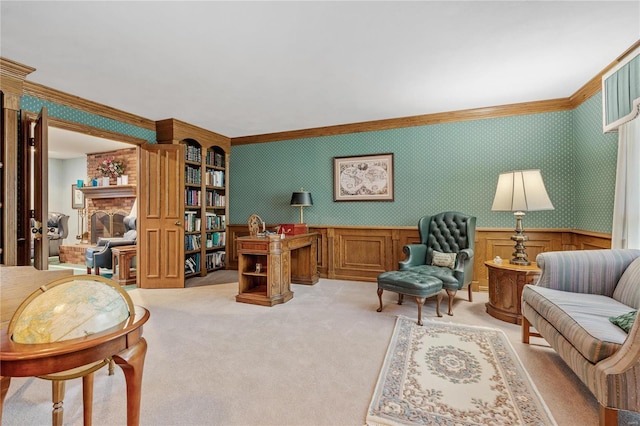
(420, 302)
(97, 270)
(451, 294)
(380, 299)
(470, 293)
(608, 416)
(58, 401)
(438, 300)
(400, 298)
(88, 270)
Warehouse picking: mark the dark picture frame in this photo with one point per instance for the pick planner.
(363, 178)
(77, 197)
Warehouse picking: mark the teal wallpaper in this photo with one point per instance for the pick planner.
(595, 168)
(33, 104)
(437, 168)
(442, 167)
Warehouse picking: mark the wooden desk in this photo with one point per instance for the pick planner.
(123, 255)
(126, 345)
(282, 261)
(506, 282)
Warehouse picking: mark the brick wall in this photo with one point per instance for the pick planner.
(129, 161)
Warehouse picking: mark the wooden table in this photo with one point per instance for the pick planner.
(506, 282)
(123, 255)
(282, 261)
(126, 346)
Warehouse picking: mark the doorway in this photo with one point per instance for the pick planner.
(68, 152)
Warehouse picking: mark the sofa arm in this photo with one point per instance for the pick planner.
(584, 271)
(617, 378)
(415, 256)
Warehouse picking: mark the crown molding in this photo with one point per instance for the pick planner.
(61, 98)
(525, 108)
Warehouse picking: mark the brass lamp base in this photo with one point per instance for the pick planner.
(519, 255)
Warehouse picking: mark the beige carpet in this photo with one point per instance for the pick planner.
(312, 361)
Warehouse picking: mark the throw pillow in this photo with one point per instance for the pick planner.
(628, 289)
(624, 321)
(443, 259)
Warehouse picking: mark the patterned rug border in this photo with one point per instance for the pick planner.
(375, 419)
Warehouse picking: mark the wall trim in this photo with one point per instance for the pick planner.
(61, 98)
(484, 113)
(87, 130)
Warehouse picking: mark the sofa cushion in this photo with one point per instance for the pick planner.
(628, 289)
(443, 259)
(583, 319)
(625, 321)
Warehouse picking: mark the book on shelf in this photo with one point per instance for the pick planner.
(214, 221)
(215, 259)
(215, 159)
(214, 178)
(215, 199)
(192, 222)
(192, 197)
(191, 242)
(192, 174)
(193, 153)
(192, 264)
(215, 239)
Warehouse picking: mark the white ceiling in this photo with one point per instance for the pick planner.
(245, 68)
(64, 144)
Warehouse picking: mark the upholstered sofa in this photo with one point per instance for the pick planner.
(571, 306)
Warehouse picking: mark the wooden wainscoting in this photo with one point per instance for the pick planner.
(361, 253)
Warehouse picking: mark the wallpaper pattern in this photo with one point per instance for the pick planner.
(32, 104)
(441, 167)
(595, 168)
(437, 168)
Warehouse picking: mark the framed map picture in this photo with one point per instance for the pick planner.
(363, 178)
(77, 197)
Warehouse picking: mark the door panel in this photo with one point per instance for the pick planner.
(161, 205)
(41, 192)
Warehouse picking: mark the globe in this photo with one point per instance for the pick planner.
(71, 310)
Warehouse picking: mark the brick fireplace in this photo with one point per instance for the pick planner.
(105, 211)
(106, 207)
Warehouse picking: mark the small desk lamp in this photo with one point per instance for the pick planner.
(301, 199)
(520, 191)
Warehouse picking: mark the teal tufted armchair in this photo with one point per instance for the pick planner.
(448, 232)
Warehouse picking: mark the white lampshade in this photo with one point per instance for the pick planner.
(521, 190)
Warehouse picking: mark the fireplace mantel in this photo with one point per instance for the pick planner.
(112, 191)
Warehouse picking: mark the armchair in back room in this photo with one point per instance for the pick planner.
(57, 231)
(99, 256)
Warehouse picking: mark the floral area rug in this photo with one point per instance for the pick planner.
(452, 374)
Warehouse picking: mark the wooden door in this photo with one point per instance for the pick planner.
(160, 216)
(41, 192)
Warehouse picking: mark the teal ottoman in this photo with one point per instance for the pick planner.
(411, 283)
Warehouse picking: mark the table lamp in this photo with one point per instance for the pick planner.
(301, 199)
(520, 191)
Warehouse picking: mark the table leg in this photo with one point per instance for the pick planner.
(132, 363)
(4, 388)
(87, 398)
(57, 387)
